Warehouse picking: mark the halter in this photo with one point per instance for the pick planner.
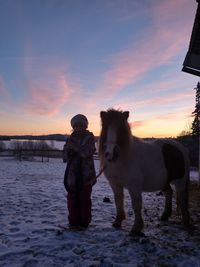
(112, 143)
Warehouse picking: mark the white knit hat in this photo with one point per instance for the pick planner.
(79, 118)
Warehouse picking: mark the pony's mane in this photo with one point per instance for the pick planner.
(115, 117)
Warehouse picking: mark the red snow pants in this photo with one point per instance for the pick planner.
(79, 206)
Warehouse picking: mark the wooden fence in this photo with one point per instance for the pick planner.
(22, 154)
(28, 154)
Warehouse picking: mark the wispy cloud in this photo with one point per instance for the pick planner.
(163, 125)
(158, 46)
(174, 116)
(48, 84)
(161, 101)
(136, 124)
(46, 96)
(158, 101)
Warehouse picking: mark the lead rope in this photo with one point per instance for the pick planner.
(101, 171)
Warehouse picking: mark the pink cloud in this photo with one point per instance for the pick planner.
(168, 99)
(48, 95)
(178, 116)
(47, 88)
(133, 64)
(136, 124)
(183, 112)
(165, 38)
(166, 11)
(166, 84)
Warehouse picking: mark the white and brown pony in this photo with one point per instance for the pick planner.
(139, 166)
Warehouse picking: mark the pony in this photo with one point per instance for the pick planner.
(141, 166)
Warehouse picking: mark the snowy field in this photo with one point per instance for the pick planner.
(33, 205)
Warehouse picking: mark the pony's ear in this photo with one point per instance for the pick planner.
(126, 114)
(103, 115)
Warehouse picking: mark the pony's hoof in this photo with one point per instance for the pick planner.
(118, 221)
(136, 233)
(186, 221)
(116, 224)
(164, 217)
(190, 228)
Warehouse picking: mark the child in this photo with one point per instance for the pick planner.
(80, 173)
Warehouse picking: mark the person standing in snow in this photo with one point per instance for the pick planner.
(80, 173)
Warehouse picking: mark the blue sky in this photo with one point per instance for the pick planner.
(63, 57)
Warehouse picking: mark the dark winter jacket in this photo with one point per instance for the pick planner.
(80, 168)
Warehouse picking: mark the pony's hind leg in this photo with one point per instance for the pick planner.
(168, 203)
(119, 203)
(182, 198)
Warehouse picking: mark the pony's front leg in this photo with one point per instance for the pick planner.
(119, 203)
(136, 199)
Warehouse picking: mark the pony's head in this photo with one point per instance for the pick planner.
(115, 134)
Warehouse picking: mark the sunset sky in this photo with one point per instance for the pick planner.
(63, 57)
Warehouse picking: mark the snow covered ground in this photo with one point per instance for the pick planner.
(33, 205)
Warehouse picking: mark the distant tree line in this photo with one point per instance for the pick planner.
(55, 137)
(191, 143)
(31, 145)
